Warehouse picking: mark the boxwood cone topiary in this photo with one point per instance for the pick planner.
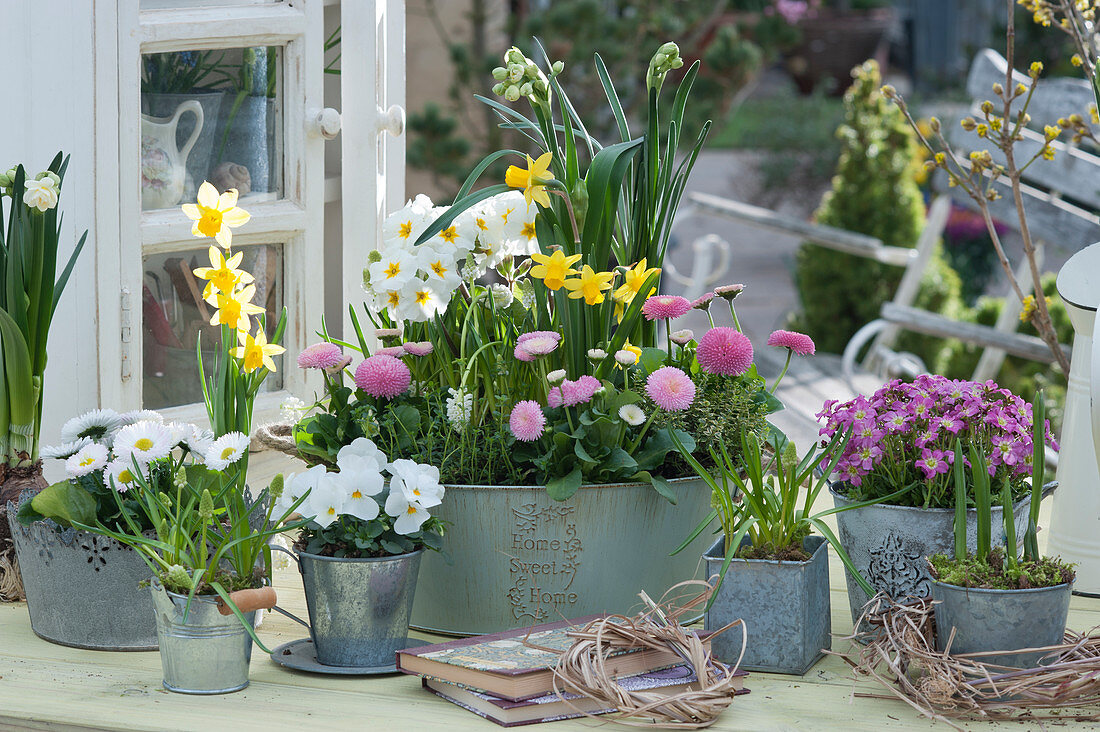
(874, 193)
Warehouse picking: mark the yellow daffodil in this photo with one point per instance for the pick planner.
(633, 279)
(222, 274)
(553, 269)
(234, 308)
(532, 180)
(214, 215)
(256, 352)
(590, 285)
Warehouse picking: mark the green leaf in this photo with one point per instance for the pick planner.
(66, 503)
(563, 488)
(652, 359)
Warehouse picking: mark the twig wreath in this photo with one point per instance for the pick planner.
(583, 670)
(902, 656)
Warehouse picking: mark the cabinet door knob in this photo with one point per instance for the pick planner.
(327, 123)
(391, 120)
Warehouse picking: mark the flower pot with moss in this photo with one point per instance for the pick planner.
(902, 440)
(995, 599)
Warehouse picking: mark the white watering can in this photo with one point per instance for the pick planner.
(1075, 519)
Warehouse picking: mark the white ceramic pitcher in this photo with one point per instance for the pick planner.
(1075, 519)
(163, 165)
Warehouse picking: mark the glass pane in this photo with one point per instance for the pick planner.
(174, 314)
(165, 4)
(212, 115)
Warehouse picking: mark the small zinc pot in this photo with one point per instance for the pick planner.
(785, 606)
(205, 652)
(359, 608)
(1001, 620)
(889, 544)
(83, 590)
(518, 557)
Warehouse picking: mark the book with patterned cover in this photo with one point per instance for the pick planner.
(550, 707)
(516, 664)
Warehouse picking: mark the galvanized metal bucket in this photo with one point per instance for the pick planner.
(785, 607)
(513, 556)
(359, 608)
(1001, 620)
(206, 653)
(83, 590)
(889, 544)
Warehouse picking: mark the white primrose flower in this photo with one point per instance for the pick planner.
(145, 441)
(632, 414)
(399, 303)
(90, 458)
(404, 226)
(440, 266)
(226, 450)
(460, 406)
(65, 450)
(97, 424)
(122, 474)
(326, 500)
(396, 267)
(361, 454)
(423, 300)
(460, 236)
(418, 482)
(518, 219)
(409, 514)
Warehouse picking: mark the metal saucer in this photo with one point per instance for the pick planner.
(301, 656)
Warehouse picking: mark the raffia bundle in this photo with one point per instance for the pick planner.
(902, 657)
(582, 668)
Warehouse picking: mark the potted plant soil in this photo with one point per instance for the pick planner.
(360, 555)
(902, 436)
(772, 571)
(29, 237)
(995, 599)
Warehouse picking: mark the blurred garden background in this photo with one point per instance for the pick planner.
(800, 127)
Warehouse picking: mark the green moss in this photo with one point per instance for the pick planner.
(994, 574)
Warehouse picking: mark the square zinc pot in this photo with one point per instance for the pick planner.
(785, 606)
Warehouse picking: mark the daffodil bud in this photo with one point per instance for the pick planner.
(526, 90)
(512, 93)
(659, 59)
(7, 179)
(500, 73)
(579, 198)
(514, 56)
(515, 72)
(557, 67)
(54, 177)
(531, 71)
(498, 89)
(540, 86)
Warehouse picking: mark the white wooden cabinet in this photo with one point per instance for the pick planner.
(78, 70)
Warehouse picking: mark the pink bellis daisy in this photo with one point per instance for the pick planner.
(670, 389)
(383, 376)
(554, 397)
(395, 351)
(527, 421)
(665, 307)
(418, 348)
(799, 343)
(724, 350)
(322, 355)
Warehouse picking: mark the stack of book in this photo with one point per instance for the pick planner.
(507, 677)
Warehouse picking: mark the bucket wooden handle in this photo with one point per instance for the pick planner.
(262, 598)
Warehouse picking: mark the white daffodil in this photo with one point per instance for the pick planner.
(299, 485)
(423, 301)
(226, 450)
(97, 424)
(404, 226)
(145, 441)
(632, 414)
(122, 475)
(90, 458)
(410, 515)
(326, 500)
(40, 194)
(396, 267)
(65, 450)
(360, 451)
(358, 487)
(418, 482)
